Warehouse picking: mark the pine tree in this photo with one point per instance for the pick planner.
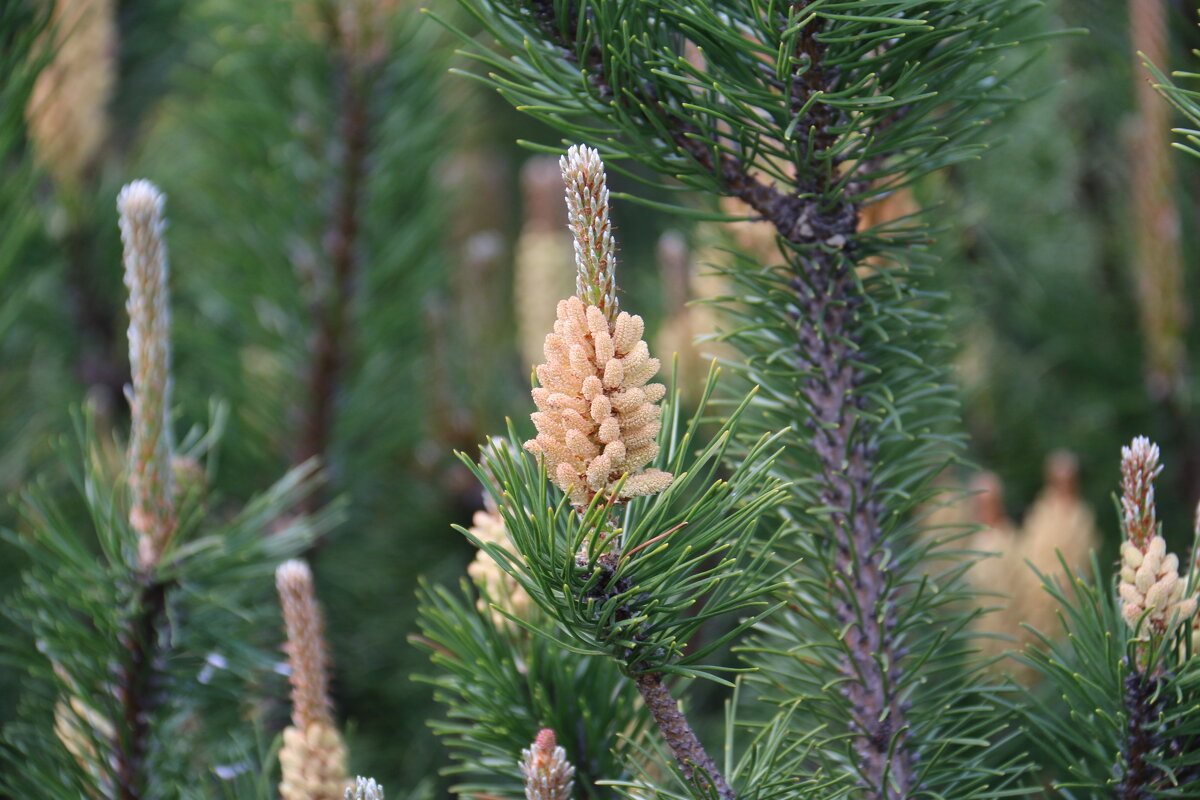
(805, 113)
(763, 537)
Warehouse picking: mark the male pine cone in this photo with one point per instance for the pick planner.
(597, 416)
(1151, 587)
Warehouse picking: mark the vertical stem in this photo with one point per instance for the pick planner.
(680, 737)
(136, 689)
(1140, 742)
(1158, 263)
(826, 348)
(330, 345)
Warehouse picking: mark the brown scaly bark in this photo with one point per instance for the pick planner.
(826, 350)
(679, 735)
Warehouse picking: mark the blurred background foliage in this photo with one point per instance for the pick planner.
(384, 361)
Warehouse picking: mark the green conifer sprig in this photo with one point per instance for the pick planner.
(502, 685)
(764, 759)
(768, 87)
(141, 617)
(1113, 710)
(635, 584)
(909, 444)
(80, 595)
(1186, 100)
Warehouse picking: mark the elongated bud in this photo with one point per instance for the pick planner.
(306, 651)
(365, 789)
(587, 217)
(313, 757)
(152, 513)
(1139, 468)
(548, 774)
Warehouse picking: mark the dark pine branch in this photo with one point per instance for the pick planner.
(865, 605)
(136, 687)
(676, 731)
(1141, 741)
(828, 343)
(331, 341)
(680, 737)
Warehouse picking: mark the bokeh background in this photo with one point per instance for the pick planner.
(1066, 274)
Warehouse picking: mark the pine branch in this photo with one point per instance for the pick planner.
(828, 342)
(331, 343)
(137, 687)
(826, 350)
(1142, 705)
(688, 750)
(795, 216)
(805, 112)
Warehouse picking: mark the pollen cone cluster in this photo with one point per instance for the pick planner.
(312, 763)
(1150, 587)
(1153, 595)
(500, 587)
(313, 758)
(548, 774)
(597, 416)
